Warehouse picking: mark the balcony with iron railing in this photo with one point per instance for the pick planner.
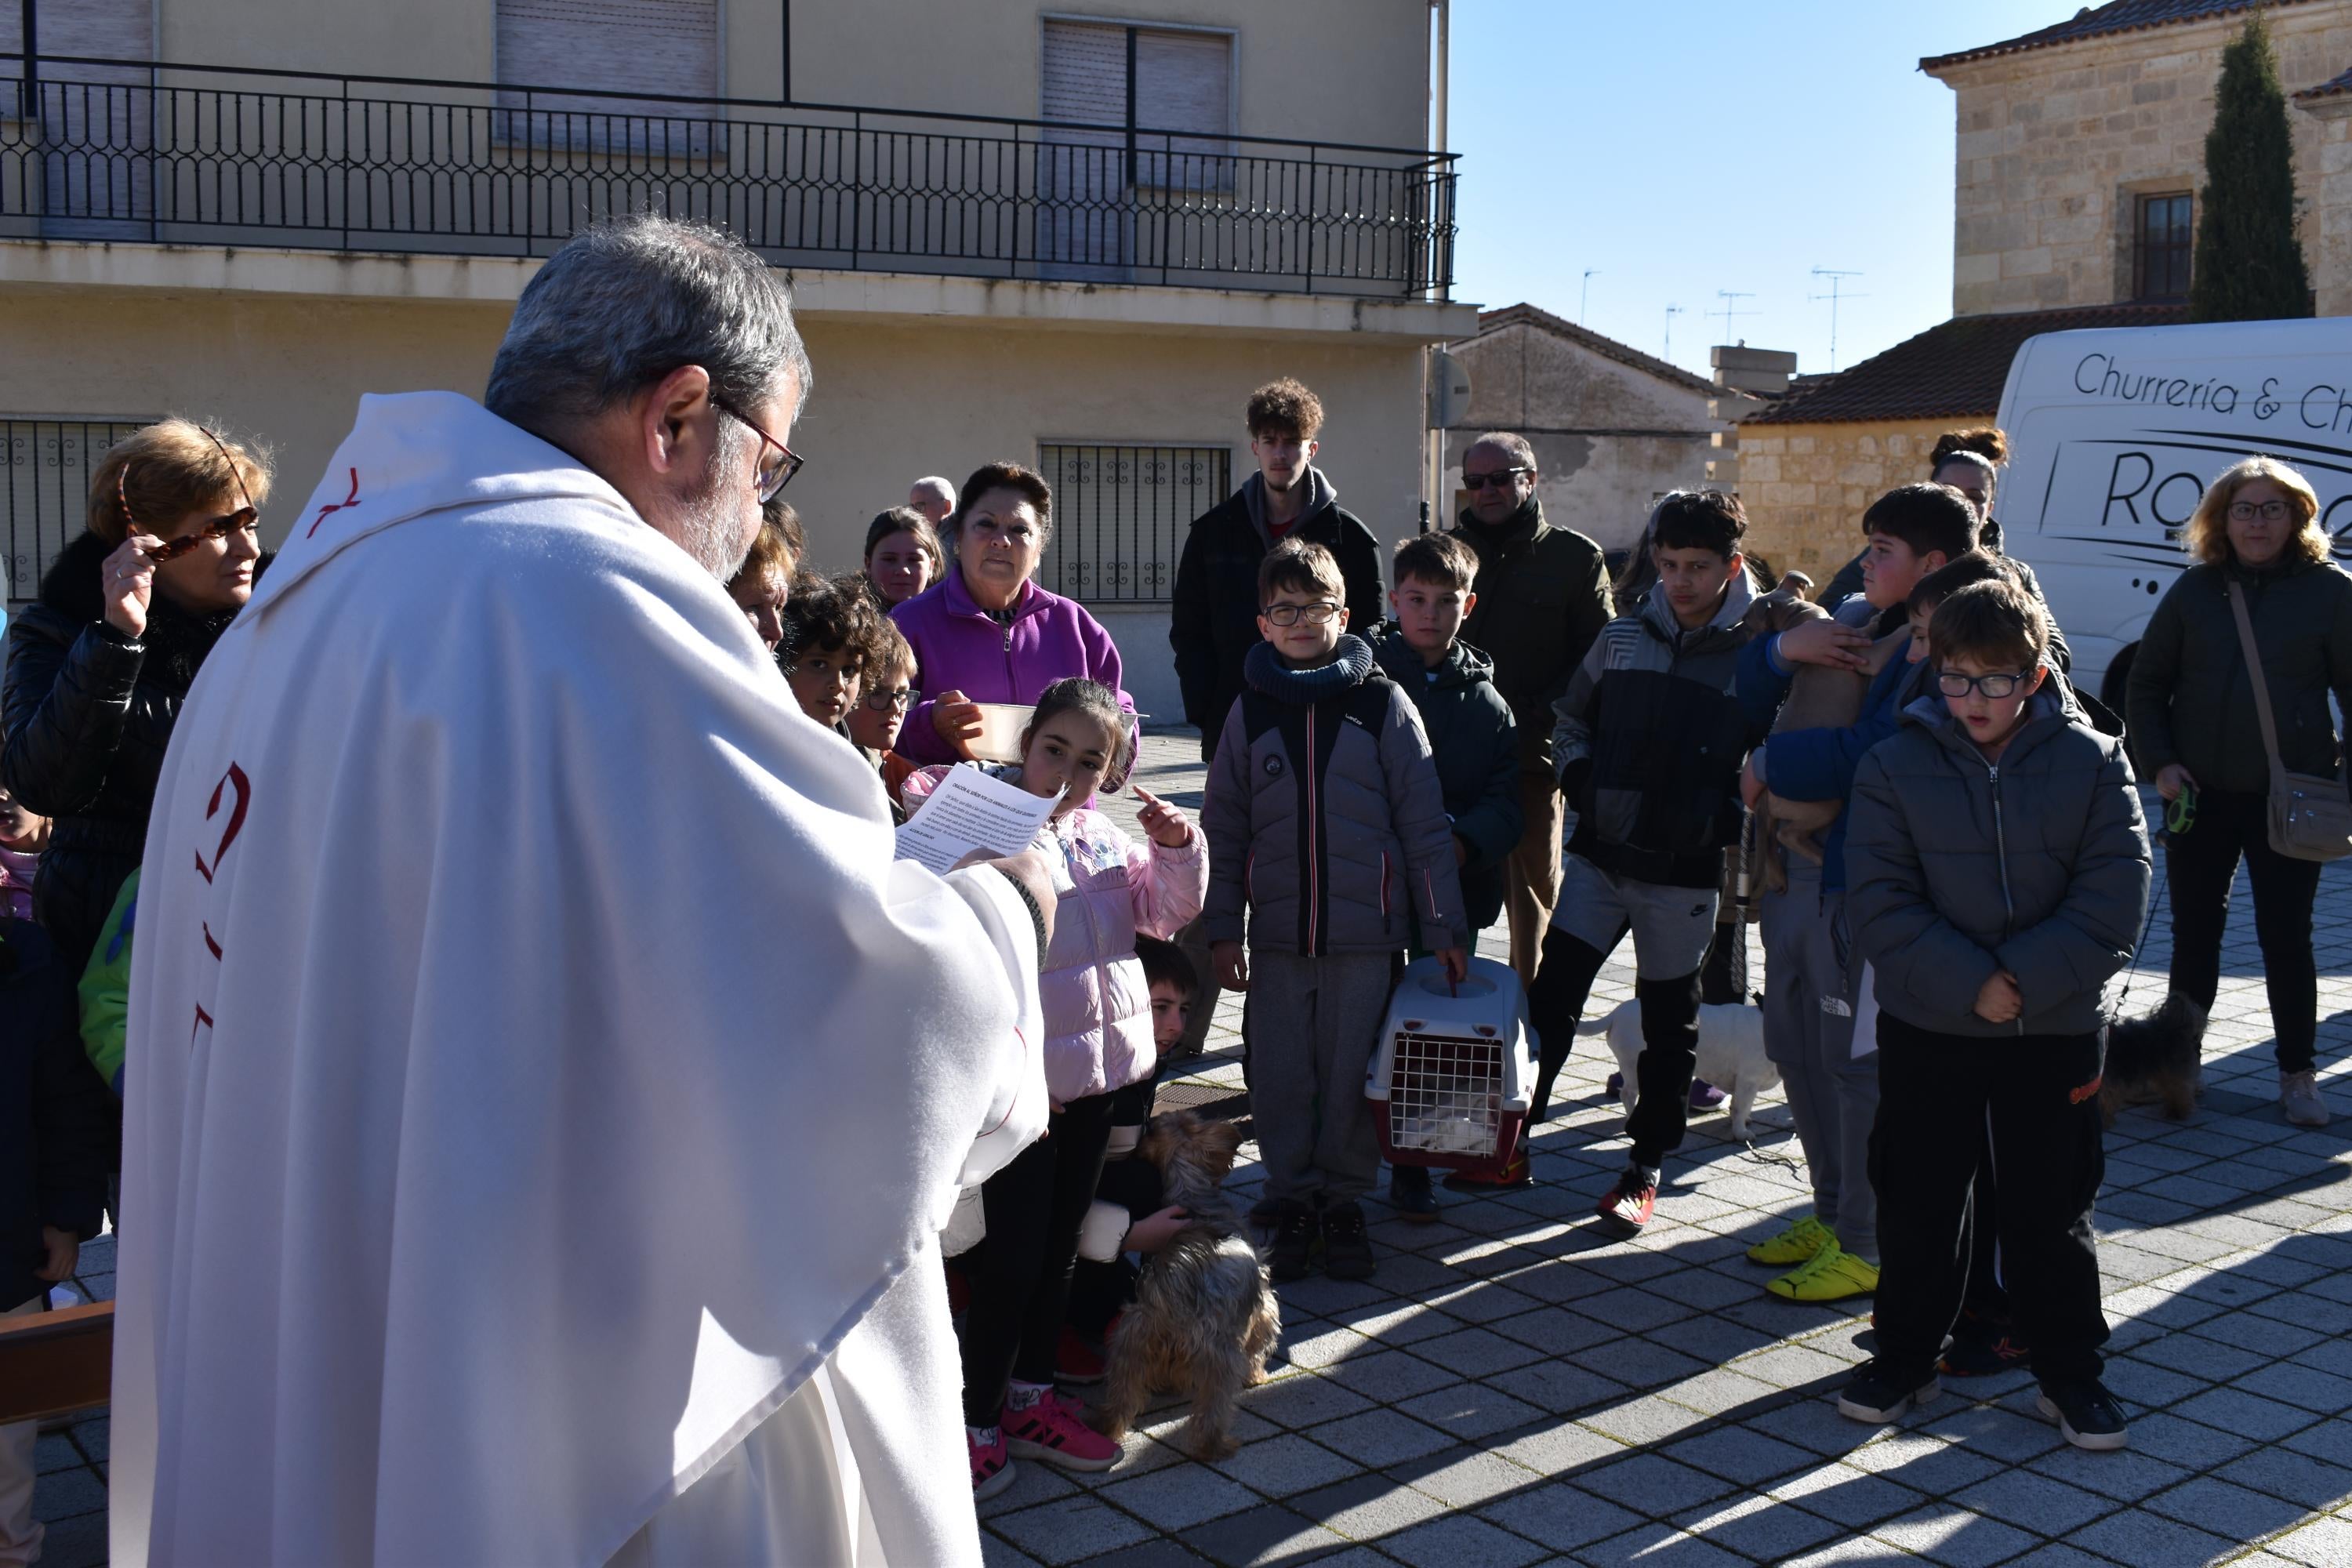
(94, 149)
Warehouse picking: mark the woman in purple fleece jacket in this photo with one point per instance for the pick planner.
(985, 633)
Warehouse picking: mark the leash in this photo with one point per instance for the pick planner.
(2155, 901)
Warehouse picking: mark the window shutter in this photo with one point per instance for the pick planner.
(1086, 73)
(105, 30)
(621, 45)
(96, 131)
(1183, 81)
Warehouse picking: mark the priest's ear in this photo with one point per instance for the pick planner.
(678, 423)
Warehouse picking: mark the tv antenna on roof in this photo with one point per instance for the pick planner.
(1836, 279)
(1727, 296)
(1584, 294)
(1668, 353)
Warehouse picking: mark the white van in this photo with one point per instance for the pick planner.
(2114, 433)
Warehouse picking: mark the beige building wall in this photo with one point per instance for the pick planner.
(2057, 145)
(2326, 182)
(1805, 487)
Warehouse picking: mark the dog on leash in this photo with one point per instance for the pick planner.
(2154, 1060)
(1204, 1314)
(1731, 1053)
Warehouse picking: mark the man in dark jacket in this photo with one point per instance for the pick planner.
(1543, 596)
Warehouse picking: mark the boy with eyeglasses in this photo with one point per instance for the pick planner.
(1997, 873)
(884, 694)
(1328, 842)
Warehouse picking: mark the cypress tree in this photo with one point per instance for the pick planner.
(2249, 264)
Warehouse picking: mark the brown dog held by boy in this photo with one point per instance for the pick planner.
(1204, 1314)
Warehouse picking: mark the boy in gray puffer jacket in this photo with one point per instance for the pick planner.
(1327, 824)
(1997, 870)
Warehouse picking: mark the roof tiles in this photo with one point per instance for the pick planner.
(2093, 22)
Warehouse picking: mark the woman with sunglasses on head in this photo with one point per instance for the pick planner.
(2196, 732)
(99, 667)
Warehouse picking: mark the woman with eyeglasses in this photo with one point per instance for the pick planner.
(99, 667)
(986, 632)
(2194, 731)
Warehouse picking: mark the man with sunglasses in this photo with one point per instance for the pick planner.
(504, 922)
(1543, 596)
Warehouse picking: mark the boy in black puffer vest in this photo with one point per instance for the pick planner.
(1997, 869)
(1471, 737)
(1326, 825)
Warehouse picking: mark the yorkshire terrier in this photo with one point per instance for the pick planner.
(2154, 1060)
(1204, 1314)
(1819, 697)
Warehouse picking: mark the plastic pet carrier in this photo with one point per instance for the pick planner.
(1451, 1080)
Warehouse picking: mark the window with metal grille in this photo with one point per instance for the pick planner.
(45, 467)
(2161, 246)
(1121, 515)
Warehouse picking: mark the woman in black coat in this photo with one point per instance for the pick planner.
(99, 667)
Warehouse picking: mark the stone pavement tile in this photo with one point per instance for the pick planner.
(1639, 1362)
(1461, 1541)
(2330, 1441)
(2307, 1309)
(1737, 1454)
(1474, 1353)
(2160, 1306)
(1559, 1515)
(1408, 1277)
(2058, 1554)
(1857, 1552)
(2329, 1355)
(1705, 1289)
(2265, 1337)
(1942, 1532)
(1561, 1448)
(62, 1494)
(1357, 1557)
(1723, 1392)
(2320, 1392)
(55, 1451)
(1560, 1387)
(1997, 1432)
(1813, 1423)
(76, 1542)
(1469, 1410)
(1466, 1476)
(1031, 1484)
(1263, 1538)
(1278, 1466)
(1397, 1323)
(1555, 1331)
(1391, 1376)
(1163, 1552)
(1179, 1496)
(1850, 1496)
(1656, 1546)
(2214, 1504)
(1315, 1343)
(1484, 1302)
(1559, 1280)
(1069, 1530)
(2198, 1356)
(2323, 1543)
(1302, 1399)
(2145, 1386)
(1378, 1438)
(1925, 1463)
(1712, 1340)
(2247, 1414)
(1164, 1426)
(2192, 1443)
(1652, 1484)
(1763, 1528)
(2125, 1475)
(1788, 1319)
(1794, 1366)
(1367, 1508)
(2146, 1539)
(2022, 1497)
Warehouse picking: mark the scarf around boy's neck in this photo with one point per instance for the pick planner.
(1352, 662)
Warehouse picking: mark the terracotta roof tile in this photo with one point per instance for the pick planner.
(1953, 371)
(2334, 87)
(2093, 22)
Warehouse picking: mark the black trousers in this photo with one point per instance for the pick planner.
(1021, 1276)
(2031, 1104)
(1669, 1040)
(2199, 865)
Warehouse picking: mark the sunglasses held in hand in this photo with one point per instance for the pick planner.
(247, 516)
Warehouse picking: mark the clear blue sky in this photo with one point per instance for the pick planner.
(1687, 146)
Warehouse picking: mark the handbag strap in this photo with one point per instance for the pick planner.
(2262, 682)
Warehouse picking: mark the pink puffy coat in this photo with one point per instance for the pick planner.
(1098, 1007)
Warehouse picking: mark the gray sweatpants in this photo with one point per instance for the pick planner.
(1812, 977)
(1312, 1024)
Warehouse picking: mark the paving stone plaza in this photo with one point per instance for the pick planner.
(1513, 1388)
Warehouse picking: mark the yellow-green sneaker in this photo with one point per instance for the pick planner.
(1793, 1245)
(1831, 1274)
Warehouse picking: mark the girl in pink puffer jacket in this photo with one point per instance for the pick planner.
(1097, 1010)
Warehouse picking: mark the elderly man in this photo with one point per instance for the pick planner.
(545, 1089)
(934, 496)
(1543, 596)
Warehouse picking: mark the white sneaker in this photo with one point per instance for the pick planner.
(2299, 1096)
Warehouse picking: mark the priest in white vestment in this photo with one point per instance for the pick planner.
(544, 1088)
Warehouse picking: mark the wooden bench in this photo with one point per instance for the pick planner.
(54, 1364)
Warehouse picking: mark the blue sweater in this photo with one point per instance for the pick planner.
(1819, 764)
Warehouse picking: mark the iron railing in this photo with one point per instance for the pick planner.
(94, 149)
(44, 468)
(1120, 514)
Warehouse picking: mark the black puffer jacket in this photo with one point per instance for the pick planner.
(1543, 596)
(85, 715)
(1476, 744)
(56, 1117)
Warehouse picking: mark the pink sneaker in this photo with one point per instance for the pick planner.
(991, 1467)
(1054, 1430)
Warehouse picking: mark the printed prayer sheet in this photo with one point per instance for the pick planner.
(973, 809)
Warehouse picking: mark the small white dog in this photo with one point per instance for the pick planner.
(1731, 1053)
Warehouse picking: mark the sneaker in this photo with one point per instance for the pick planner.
(1832, 1274)
(2086, 1414)
(1982, 1347)
(1793, 1246)
(991, 1467)
(1877, 1396)
(1515, 1175)
(1346, 1250)
(2299, 1097)
(1293, 1240)
(1704, 1095)
(1074, 1360)
(1410, 1196)
(1629, 1204)
(1054, 1429)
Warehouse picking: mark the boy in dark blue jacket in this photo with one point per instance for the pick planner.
(1813, 978)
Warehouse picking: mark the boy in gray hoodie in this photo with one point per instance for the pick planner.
(1997, 871)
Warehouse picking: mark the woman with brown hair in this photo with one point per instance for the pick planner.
(902, 557)
(2196, 731)
(99, 667)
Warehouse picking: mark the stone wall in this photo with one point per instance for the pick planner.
(1805, 487)
(2057, 145)
(2327, 183)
